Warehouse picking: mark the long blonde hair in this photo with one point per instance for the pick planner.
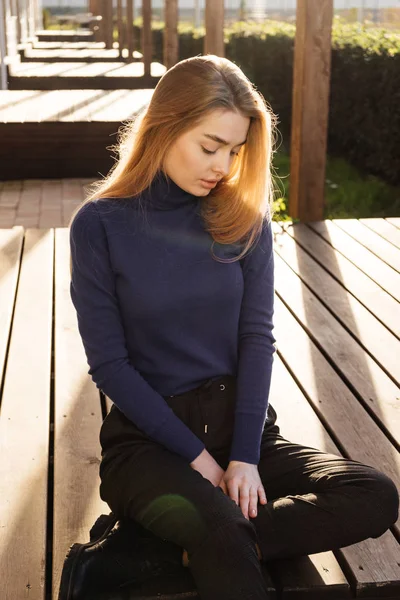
(235, 209)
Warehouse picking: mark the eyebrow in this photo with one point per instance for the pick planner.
(215, 138)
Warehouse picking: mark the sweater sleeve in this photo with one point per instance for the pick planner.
(256, 348)
(93, 294)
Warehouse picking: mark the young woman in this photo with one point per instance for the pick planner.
(172, 280)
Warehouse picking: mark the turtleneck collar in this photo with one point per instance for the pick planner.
(165, 194)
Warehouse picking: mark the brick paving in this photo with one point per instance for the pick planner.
(40, 203)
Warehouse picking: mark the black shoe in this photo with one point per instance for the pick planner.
(120, 553)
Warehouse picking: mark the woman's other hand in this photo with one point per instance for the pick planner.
(241, 481)
(208, 467)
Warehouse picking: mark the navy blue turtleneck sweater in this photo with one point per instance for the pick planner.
(158, 315)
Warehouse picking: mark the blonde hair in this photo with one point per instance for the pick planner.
(235, 209)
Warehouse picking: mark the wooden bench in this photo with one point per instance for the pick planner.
(335, 387)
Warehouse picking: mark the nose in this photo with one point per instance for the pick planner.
(222, 165)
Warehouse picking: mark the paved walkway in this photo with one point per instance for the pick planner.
(40, 203)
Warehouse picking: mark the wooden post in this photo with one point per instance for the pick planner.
(129, 28)
(16, 12)
(171, 41)
(310, 109)
(214, 20)
(120, 27)
(31, 20)
(146, 41)
(39, 14)
(3, 48)
(107, 23)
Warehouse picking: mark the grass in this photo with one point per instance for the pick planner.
(348, 192)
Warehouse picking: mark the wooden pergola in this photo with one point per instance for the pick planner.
(20, 19)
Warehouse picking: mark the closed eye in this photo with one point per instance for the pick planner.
(213, 152)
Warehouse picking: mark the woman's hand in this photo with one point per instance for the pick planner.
(208, 467)
(241, 481)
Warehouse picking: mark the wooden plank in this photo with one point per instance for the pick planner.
(146, 37)
(337, 407)
(310, 107)
(373, 565)
(170, 39)
(214, 23)
(70, 54)
(370, 335)
(318, 575)
(386, 229)
(10, 250)
(394, 221)
(24, 426)
(77, 421)
(383, 306)
(366, 261)
(371, 240)
(126, 105)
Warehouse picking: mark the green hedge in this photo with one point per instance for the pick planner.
(364, 119)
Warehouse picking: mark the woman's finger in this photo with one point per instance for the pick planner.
(253, 502)
(233, 490)
(262, 495)
(244, 500)
(222, 485)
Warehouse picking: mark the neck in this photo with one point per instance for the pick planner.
(165, 194)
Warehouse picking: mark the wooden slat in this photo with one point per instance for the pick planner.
(366, 261)
(394, 221)
(24, 426)
(10, 249)
(371, 335)
(170, 39)
(214, 23)
(77, 421)
(371, 240)
(146, 37)
(337, 407)
(310, 107)
(319, 574)
(388, 231)
(372, 566)
(382, 305)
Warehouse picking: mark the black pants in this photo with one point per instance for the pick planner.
(316, 501)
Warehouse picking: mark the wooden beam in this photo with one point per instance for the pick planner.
(170, 39)
(214, 22)
(310, 108)
(146, 41)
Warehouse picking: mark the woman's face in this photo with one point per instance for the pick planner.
(206, 152)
